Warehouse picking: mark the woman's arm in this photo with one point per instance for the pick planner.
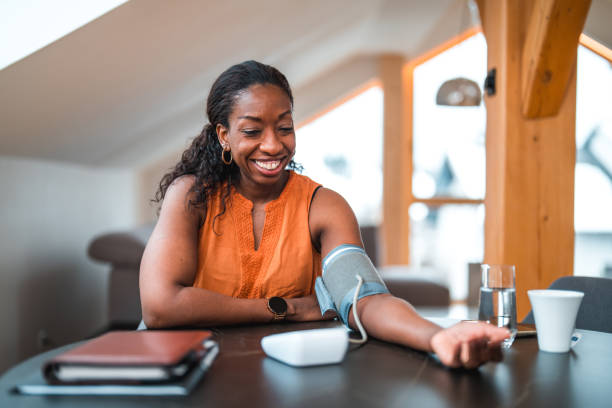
(388, 318)
(168, 269)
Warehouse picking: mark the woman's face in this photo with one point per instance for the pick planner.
(260, 134)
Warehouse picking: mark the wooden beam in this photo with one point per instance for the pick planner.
(549, 54)
(396, 81)
(529, 198)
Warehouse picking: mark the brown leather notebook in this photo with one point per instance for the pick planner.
(130, 357)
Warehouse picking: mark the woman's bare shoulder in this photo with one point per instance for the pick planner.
(181, 186)
(325, 197)
(332, 221)
(177, 199)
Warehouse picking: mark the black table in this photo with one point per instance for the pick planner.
(376, 375)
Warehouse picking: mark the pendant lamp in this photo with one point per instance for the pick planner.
(459, 92)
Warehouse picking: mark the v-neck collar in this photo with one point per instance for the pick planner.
(245, 202)
(254, 260)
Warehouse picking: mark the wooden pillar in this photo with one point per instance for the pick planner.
(397, 158)
(530, 144)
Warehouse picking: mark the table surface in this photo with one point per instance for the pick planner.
(378, 374)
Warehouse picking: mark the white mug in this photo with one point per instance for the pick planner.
(555, 314)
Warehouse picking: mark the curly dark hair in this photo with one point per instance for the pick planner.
(203, 158)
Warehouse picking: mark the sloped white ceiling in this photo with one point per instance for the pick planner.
(598, 24)
(130, 86)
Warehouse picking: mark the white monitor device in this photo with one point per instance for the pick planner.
(307, 347)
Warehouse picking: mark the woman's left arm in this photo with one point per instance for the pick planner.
(332, 223)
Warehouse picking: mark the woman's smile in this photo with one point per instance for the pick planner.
(268, 165)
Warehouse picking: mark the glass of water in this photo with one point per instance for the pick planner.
(498, 298)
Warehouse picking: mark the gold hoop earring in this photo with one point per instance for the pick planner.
(224, 160)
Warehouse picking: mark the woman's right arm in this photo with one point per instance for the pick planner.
(168, 269)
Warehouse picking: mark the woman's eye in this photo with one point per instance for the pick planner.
(251, 132)
(286, 129)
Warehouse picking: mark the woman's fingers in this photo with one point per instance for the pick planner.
(495, 334)
(468, 355)
(469, 345)
(474, 353)
(443, 344)
(495, 351)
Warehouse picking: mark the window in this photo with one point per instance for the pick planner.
(448, 180)
(342, 150)
(593, 179)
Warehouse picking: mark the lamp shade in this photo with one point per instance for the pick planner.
(459, 92)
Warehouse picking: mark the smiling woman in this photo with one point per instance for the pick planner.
(241, 235)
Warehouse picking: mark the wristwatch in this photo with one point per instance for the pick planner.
(278, 306)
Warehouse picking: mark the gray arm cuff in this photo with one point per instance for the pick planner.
(336, 288)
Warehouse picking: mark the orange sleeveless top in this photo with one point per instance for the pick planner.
(285, 264)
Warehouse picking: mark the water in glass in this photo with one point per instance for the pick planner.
(498, 307)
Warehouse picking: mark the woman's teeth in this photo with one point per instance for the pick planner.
(268, 165)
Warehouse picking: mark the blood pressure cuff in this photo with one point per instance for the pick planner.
(336, 288)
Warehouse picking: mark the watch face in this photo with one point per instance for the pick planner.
(278, 305)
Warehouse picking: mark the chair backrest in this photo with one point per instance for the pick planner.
(369, 236)
(421, 287)
(595, 312)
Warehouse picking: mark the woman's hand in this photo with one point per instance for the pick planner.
(305, 309)
(469, 344)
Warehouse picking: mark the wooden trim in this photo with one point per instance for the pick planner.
(434, 52)
(408, 135)
(439, 201)
(408, 75)
(595, 46)
(372, 83)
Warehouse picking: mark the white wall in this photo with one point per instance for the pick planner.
(48, 214)
(147, 181)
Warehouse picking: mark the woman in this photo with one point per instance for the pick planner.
(240, 238)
